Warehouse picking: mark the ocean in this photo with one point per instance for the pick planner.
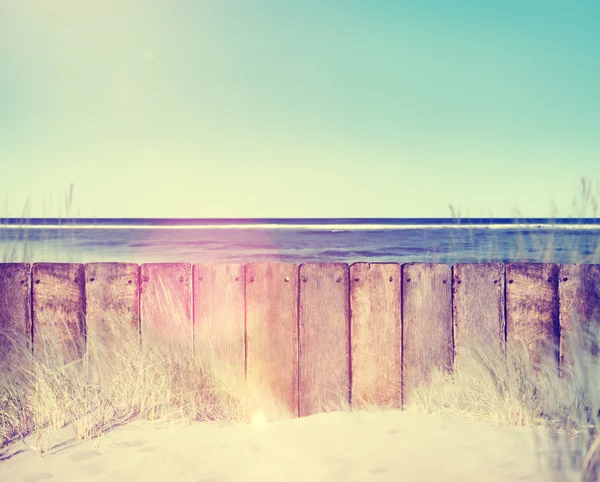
(403, 240)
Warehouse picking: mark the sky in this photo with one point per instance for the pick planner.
(237, 109)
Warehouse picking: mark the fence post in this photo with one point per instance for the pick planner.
(376, 334)
(426, 323)
(324, 331)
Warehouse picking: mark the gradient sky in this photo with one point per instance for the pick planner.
(298, 109)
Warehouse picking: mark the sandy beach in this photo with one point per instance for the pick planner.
(338, 446)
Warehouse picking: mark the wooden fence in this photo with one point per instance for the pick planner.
(370, 332)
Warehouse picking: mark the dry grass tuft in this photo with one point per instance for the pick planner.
(506, 390)
(121, 381)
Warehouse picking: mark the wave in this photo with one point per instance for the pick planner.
(333, 228)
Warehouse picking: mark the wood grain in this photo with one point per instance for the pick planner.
(324, 332)
(58, 311)
(166, 304)
(219, 319)
(272, 330)
(532, 309)
(427, 322)
(579, 295)
(15, 314)
(113, 305)
(376, 334)
(478, 307)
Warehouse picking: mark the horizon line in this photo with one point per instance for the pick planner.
(297, 219)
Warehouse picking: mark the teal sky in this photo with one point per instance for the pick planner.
(298, 109)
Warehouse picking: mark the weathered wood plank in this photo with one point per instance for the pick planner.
(376, 334)
(15, 314)
(579, 295)
(324, 332)
(219, 314)
(427, 322)
(478, 307)
(166, 304)
(272, 330)
(113, 305)
(532, 309)
(58, 311)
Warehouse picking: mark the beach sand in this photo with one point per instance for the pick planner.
(338, 446)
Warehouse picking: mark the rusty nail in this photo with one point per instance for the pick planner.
(565, 279)
(287, 279)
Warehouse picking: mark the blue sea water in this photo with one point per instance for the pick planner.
(301, 240)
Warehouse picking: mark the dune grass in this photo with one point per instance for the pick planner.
(506, 390)
(119, 381)
(16, 245)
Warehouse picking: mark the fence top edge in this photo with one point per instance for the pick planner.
(291, 263)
